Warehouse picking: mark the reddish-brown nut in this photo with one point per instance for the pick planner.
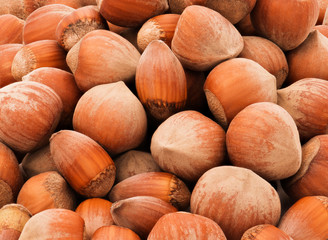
(114, 232)
(13, 218)
(233, 10)
(11, 179)
(188, 144)
(203, 38)
(254, 141)
(162, 185)
(307, 219)
(276, 22)
(126, 127)
(78, 23)
(308, 60)
(323, 29)
(220, 194)
(85, 165)
(131, 13)
(11, 29)
(140, 213)
(184, 225)
(229, 91)
(43, 53)
(134, 162)
(29, 113)
(38, 161)
(268, 55)
(323, 5)
(160, 81)
(95, 213)
(311, 179)
(161, 27)
(102, 57)
(63, 83)
(7, 54)
(42, 23)
(307, 102)
(265, 232)
(44, 191)
(54, 223)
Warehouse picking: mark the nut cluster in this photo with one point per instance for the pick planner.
(164, 119)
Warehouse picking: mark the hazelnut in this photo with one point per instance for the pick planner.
(11, 29)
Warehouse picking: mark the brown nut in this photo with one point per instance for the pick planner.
(127, 126)
(140, 213)
(161, 27)
(29, 113)
(114, 232)
(131, 13)
(134, 162)
(254, 141)
(307, 102)
(311, 179)
(275, 21)
(11, 179)
(78, 23)
(268, 55)
(13, 218)
(43, 53)
(229, 91)
(42, 23)
(54, 223)
(85, 165)
(193, 46)
(265, 232)
(102, 57)
(184, 225)
(44, 191)
(63, 83)
(307, 219)
(162, 185)
(38, 161)
(7, 54)
(188, 144)
(95, 213)
(308, 59)
(11, 29)
(160, 81)
(220, 195)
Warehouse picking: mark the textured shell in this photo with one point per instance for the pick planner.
(268, 55)
(29, 113)
(54, 224)
(44, 191)
(308, 60)
(102, 57)
(42, 23)
(126, 127)
(85, 165)
(265, 232)
(220, 195)
(11, 29)
(131, 13)
(307, 102)
(307, 219)
(160, 81)
(184, 225)
(254, 141)
(188, 144)
(203, 38)
(276, 22)
(114, 232)
(7, 54)
(229, 91)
